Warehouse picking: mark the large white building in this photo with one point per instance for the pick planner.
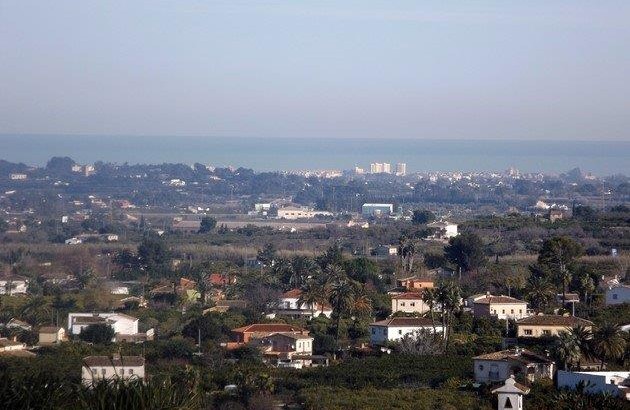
(401, 169)
(121, 323)
(616, 383)
(391, 330)
(97, 368)
(293, 213)
(445, 230)
(368, 210)
(13, 285)
(617, 295)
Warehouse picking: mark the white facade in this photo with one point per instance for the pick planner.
(394, 329)
(97, 368)
(377, 209)
(401, 169)
(288, 305)
(122, 324)
(617, 295)
(510, 395)
(293, 213)
(18, 177)
(13, 286)
(615, 383)
(447, 229)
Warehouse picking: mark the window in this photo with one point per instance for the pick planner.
(546, 332)
(412, 304)
(481, 367)
(503, 311)
(512, 311)
(373, 331)
(520, 311)
(130, 371)
(103, 372)
(402, 303)
(384, 332)
(528, 332)
(614, 296)
(94, 371)
(400, 332)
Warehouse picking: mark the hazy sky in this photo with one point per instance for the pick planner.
(413, 69)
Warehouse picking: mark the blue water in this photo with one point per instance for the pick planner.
(600, 158)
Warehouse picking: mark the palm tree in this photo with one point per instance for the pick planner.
(312, 295)
(448, 296)
(406, 251)
(342, 297)
(609, 343)
(539, 292)
(583, 337)
(429, 296)
(567, 349)
(362, 303)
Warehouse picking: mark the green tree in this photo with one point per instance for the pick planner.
(429, 297)
(207, 224)
(97, 334)
(342, 298)
(567, 349)
(448, 297)
(559, 255)
(4, 226)
(407, 248)
(153, 254)
(267, 255)
(466, 251)
(583, 337)
(422, 216)
(609, 343)
(539, 292)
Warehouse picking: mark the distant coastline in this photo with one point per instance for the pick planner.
(599, 157)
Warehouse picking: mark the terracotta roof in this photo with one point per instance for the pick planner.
(520, 355)
(296, 336)
(488, 299)
(408, 295)
(293, 293)
(554, 320)
(218, 279)
(105, 361)
(405, 322)
(268, 328)
(49, 329)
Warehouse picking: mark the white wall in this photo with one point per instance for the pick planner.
(383, 334)
(618, 295)
(599, 381)
(91, 374)
(491, 370)
(122, 324)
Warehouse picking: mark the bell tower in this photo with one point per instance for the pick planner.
(510, 395)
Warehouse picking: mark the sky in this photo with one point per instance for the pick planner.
(433, 69)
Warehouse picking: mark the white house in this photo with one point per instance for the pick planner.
(49, 335)
(288, 349)
(13, 285)
(368, 210)
(499, 366)
(617, 295)
(121, 323)
(617, 383)
(97, 368)
(390, 330)
(288, 305)
(409, 302)
(502, 307)
(445, 230)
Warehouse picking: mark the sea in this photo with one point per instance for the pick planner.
(601, 158)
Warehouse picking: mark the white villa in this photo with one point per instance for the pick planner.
(390, 330)
(97, 368)
(288, 305)
(121, 323)
(616, 383)
(13, 285)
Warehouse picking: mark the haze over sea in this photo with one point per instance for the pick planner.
(599, 157)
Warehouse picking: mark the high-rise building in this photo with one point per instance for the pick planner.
(401, 169)
(387, 168)
(376, 168)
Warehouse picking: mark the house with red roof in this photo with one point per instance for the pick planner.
(502, 307)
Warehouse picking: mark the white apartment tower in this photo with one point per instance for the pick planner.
(401, 169)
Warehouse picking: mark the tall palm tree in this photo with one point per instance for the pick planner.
(342, 297)
(539, 292)
(566, 349)
(448, 296)
(609, 343)
(312, 295)
(583, 336)
(406, 250)
(429, 296)
(362, 304)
